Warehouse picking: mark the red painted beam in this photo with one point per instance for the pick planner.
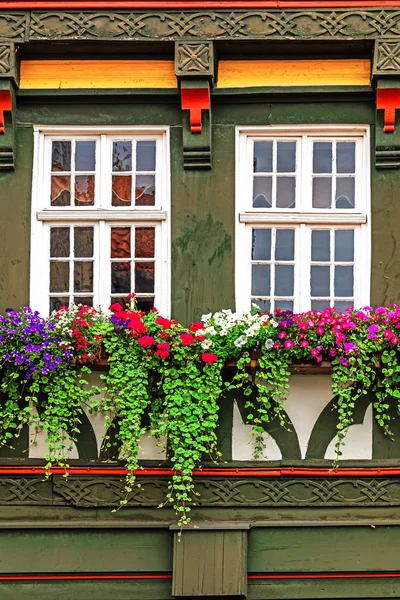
(322, 575)
(211, 472)
(192, 4)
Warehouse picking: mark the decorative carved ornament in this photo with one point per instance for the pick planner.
(5, 104)
(388, 99)
(194, 59)
(195, 100)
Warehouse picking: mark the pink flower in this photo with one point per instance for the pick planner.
(187, 339)
(289, 344)
(209, 358)
(320, 330)
(146, 341)
(281, 335)
(115, 307)
(304, 343)
(395, 340)
(163, 346)
(165, 323)
(162, 354)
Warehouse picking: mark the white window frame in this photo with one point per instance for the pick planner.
(303, 217)
(102, 215)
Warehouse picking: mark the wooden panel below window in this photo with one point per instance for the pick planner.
(287, 73)
(101, 74)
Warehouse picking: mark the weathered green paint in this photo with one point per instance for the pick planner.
(85, 551)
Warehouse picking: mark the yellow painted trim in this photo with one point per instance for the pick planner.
(79, 74)
(285, 73)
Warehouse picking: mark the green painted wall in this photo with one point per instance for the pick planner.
(203, 215)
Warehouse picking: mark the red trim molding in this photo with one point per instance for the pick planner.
(192, 4)
(322, 575)
(388, 99)
(5, 104)
(210, 472)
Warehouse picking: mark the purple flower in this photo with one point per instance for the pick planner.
(343, 361)
(349, 347)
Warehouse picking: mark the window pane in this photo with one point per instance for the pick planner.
(322, 192)
(284, 304)
(87, 300)
(145, 193)
(83, 242)
(261, 244)
(262, 192)
(264, 305)
(145, 304)
(262, 157)
(320, 281)
(341, 305)
(320, 245)
(59, 276)
(144, 278)
(344, 245)
(319, 304)
(120, 277)
(284, 280)
(284, 249)
(60, 190)
(346, 157)
(120, 242)
(85, 156)
(286, 157)
(122, 156)
(83, 276)
(61, 156)
(344, 281)
(144, 242)
(322, 157)
(57, 302)
(285, 192)
(146, 156)
(345, 187)
(84, 190)
(260, 280)
(59, 242)
(121, 190)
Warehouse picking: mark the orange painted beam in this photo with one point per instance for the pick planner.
(193, 4)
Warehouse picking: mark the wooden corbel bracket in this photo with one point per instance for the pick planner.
(5, 104)
(195, 100)
(388, 100)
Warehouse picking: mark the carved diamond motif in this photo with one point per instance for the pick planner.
(193, 59)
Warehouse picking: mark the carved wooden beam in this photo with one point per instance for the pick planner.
(8, 83)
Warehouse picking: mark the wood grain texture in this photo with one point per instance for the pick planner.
(287, 73)
(102, 74)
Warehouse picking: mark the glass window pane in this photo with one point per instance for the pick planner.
(345, 189)
(145, 193)
(285, 192)
(341, 305)
(322, 157)
(57, 302)
(346, 157)
(261, 244)
(322, 192)
(145, 304)
(321, 245)
(284, 248)
(120, 242)
(344, 245)
(83, 242)
(146, 156)
(260, 280)
(284, 304)
(84, 190)
(85, 156)
(262, 192)
(144, 278)
(144, 242)
(286, 157)
(83, 276)
(264, 305)
(320, 281)
(122, 156)
(59, 242)
(121, 190)
(284, 280)
(61, 156)
(120, 277)
(344, 281)
(60, 194)
(319, 304)
(59, 276)
(86, 300)
(262, 157)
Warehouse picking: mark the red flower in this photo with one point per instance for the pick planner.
(163, 346)
(131, 295)
(187, 339)
(146, 341)
(115, 307)
(200, 338)
(164, 335)
(209, 358)
(165, 323)
(162, 354)
(196, 326)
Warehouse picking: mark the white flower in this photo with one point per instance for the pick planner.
(199, 332)
(206, 344)
(206, 318)
(274, 323)
(210, 330)
(240, 341)
(269, 344)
